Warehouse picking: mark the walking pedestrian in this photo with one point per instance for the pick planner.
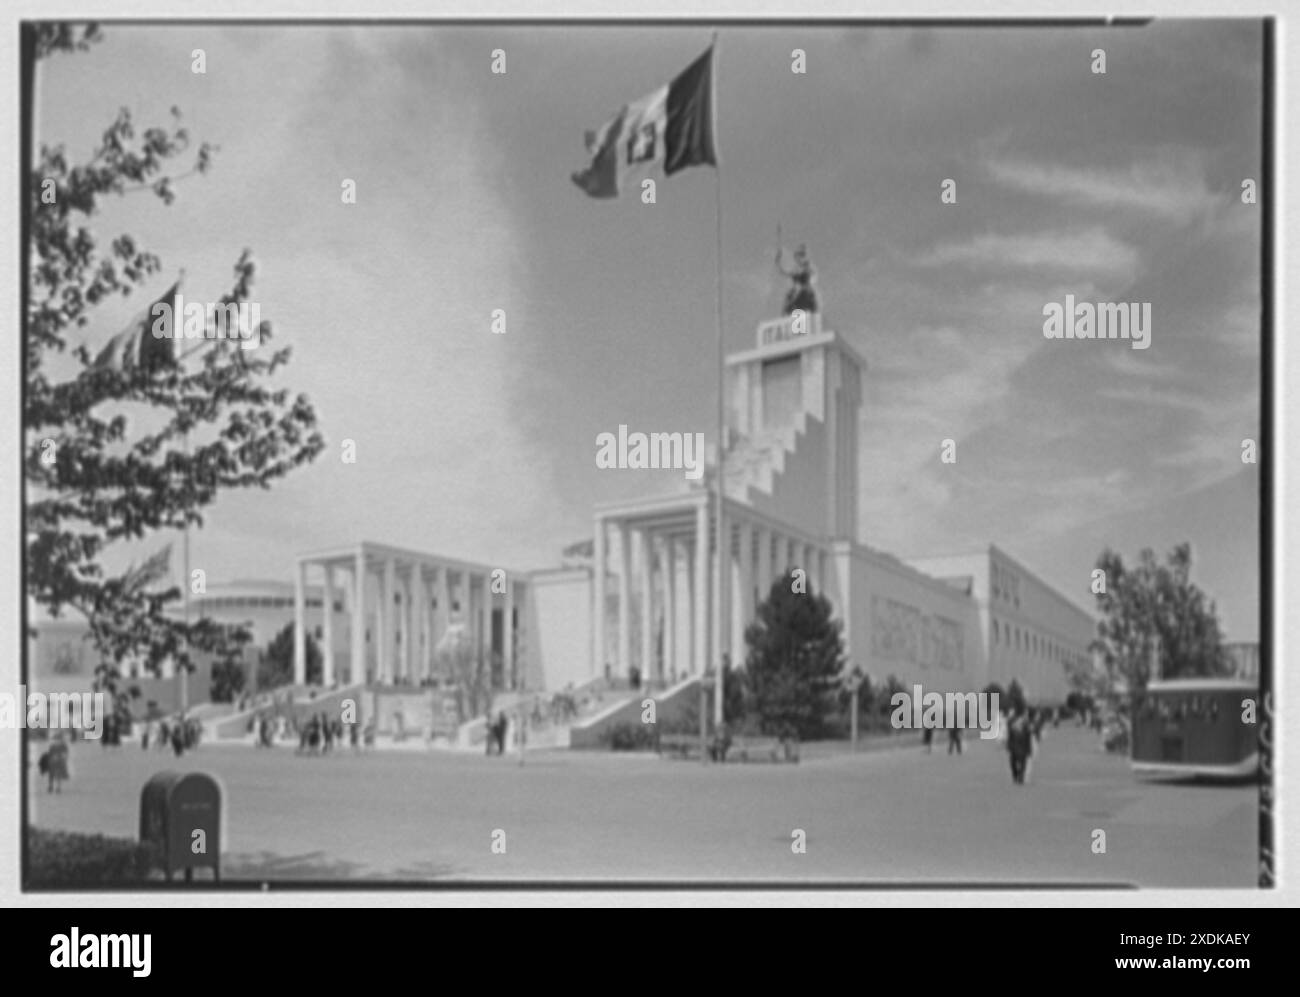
(502, 725)
(56, 764)
(1020, 745)
(954, 739)
(178, 739)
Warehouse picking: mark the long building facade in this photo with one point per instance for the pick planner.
(645, 592)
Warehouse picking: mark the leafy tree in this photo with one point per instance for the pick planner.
(209, 426)
(1148, 605)
(471, 675)
(276, 666)
(795, 657)
(227, 678)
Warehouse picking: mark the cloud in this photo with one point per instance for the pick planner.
(1174, 190)
(1093, 250)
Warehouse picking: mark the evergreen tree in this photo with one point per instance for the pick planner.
(794, 663)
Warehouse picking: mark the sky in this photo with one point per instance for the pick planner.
(1120, 187)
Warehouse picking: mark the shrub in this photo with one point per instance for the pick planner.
(64, 858)
(629, 737)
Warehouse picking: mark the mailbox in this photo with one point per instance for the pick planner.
(173, 807)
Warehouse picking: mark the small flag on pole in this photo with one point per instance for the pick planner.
(671, 128)
(136, 345)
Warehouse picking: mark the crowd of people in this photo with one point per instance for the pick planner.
(317, 735)
(181, 734)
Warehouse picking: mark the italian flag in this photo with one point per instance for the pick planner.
(670, 128)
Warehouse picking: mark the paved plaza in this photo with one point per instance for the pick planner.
(895, 815)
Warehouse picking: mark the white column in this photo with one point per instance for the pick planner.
(647, 604)
(327, 628)
(442, 613)
(598, 646)
(764, 579)
(423, 601)
(691, 616)
(809, 565)
(669, 667)
(388, 628)
(470, 614)
(819, 557)
(791, 556)
(408, 627)
(723, 577)
(300, 623)
(700, 594)
(487, 627)
(508, 635)
(624, 600)
(359, 619)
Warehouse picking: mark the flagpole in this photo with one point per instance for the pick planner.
(724, 547)
(185, 588)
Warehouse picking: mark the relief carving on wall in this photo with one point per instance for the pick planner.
(900, 632)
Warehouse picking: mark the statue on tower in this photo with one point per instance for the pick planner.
(801, 295)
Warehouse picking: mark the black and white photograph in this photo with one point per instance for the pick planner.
(707, 454)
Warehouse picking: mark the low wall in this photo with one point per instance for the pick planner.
(672, 706)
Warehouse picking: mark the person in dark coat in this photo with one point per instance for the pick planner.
(55, 764)
(1020, 745)
(501, 725)
(954, 739)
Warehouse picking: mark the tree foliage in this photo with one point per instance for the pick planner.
(471, 675)
(209, 426)
(794, 660)
(1149, 605)
(276, 667)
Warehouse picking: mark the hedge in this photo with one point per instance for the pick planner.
(65, 858)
